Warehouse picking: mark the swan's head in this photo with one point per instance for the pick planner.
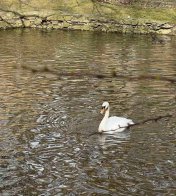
(105, 107)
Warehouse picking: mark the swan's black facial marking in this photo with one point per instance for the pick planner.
(104, 109)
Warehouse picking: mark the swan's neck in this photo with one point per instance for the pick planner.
(103, 122)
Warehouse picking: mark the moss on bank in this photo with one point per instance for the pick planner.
(86, 15)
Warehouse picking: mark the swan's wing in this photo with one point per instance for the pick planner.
(114, 123)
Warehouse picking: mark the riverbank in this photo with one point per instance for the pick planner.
(87, 15)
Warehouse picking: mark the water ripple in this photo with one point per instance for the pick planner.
(51, 93)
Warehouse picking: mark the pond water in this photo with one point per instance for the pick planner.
(52, 87)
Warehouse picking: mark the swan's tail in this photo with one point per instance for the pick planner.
(130, 122)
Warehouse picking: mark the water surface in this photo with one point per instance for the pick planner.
(52, 87)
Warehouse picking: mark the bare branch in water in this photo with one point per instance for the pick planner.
(99, 75)
(137, 123)
(148, 120)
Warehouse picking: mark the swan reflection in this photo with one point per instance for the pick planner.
(108, 140)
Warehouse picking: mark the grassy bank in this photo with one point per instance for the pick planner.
(73, 13)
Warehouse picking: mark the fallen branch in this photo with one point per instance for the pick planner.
(148, 120)
(137, 123)
(146, 77)
(100, 76)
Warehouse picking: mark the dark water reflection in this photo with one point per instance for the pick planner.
(49, 104)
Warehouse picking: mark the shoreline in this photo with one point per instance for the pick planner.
(88, 16)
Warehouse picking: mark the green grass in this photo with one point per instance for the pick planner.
(93, 9)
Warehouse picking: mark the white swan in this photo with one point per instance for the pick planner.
(114, 123)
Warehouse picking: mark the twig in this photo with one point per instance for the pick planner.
(148, 120)
(96, 133)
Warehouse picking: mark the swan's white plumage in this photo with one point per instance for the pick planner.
(114, 123)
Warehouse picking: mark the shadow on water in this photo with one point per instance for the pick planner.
(49, 105)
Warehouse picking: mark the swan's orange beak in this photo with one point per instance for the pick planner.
(102, 111)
